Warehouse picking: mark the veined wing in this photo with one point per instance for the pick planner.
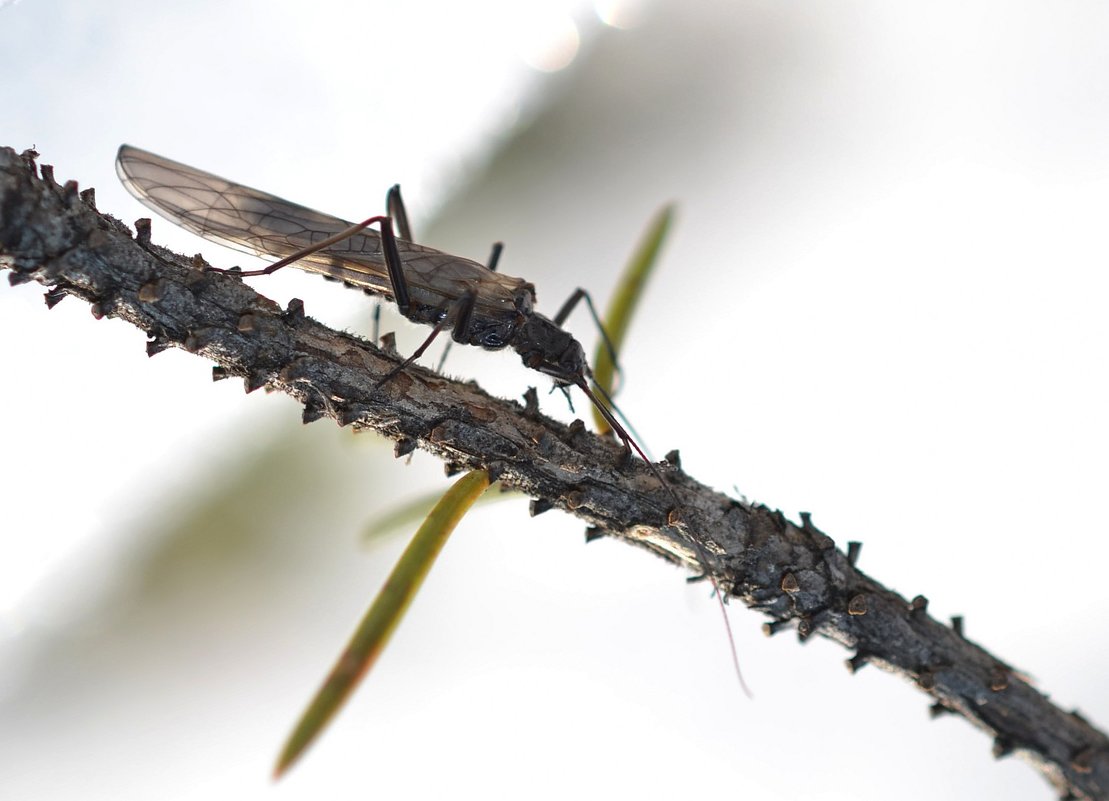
(259, 223)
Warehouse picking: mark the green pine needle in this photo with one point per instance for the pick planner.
(381, 619)
(624, 300)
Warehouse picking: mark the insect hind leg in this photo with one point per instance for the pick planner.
(397, 280)
(324, 243)
(394, 205)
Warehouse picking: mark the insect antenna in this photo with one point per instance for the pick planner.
(623, 417)
(702, 556)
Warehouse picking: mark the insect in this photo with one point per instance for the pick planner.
(476, 303)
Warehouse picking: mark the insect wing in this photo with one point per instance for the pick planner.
(242, 218)
(262, 224)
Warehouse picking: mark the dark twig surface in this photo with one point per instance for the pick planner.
(792, 572)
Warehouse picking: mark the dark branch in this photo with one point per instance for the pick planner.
(793, 573)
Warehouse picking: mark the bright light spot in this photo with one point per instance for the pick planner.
(619, 13)
(548, 42)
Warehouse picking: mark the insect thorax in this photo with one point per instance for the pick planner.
(490, 320)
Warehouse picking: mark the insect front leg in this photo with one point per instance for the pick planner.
(578, 295)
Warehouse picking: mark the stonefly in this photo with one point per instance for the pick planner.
(476, 303)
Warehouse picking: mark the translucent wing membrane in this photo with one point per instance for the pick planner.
(255, 222)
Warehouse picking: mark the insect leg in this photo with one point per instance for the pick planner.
(388, 245)
(495, 256)
(443, 358)
(463, 311)
(567, 307)
(620, 432)
(325, 243)
(439, 326)
(698, 549)
(395, 208)
(394, 205)
(491, 265)
(393, 265)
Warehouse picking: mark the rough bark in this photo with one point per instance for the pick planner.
(791, 572)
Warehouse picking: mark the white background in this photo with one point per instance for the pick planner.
(883, 303)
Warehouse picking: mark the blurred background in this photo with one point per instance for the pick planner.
(883, 303)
